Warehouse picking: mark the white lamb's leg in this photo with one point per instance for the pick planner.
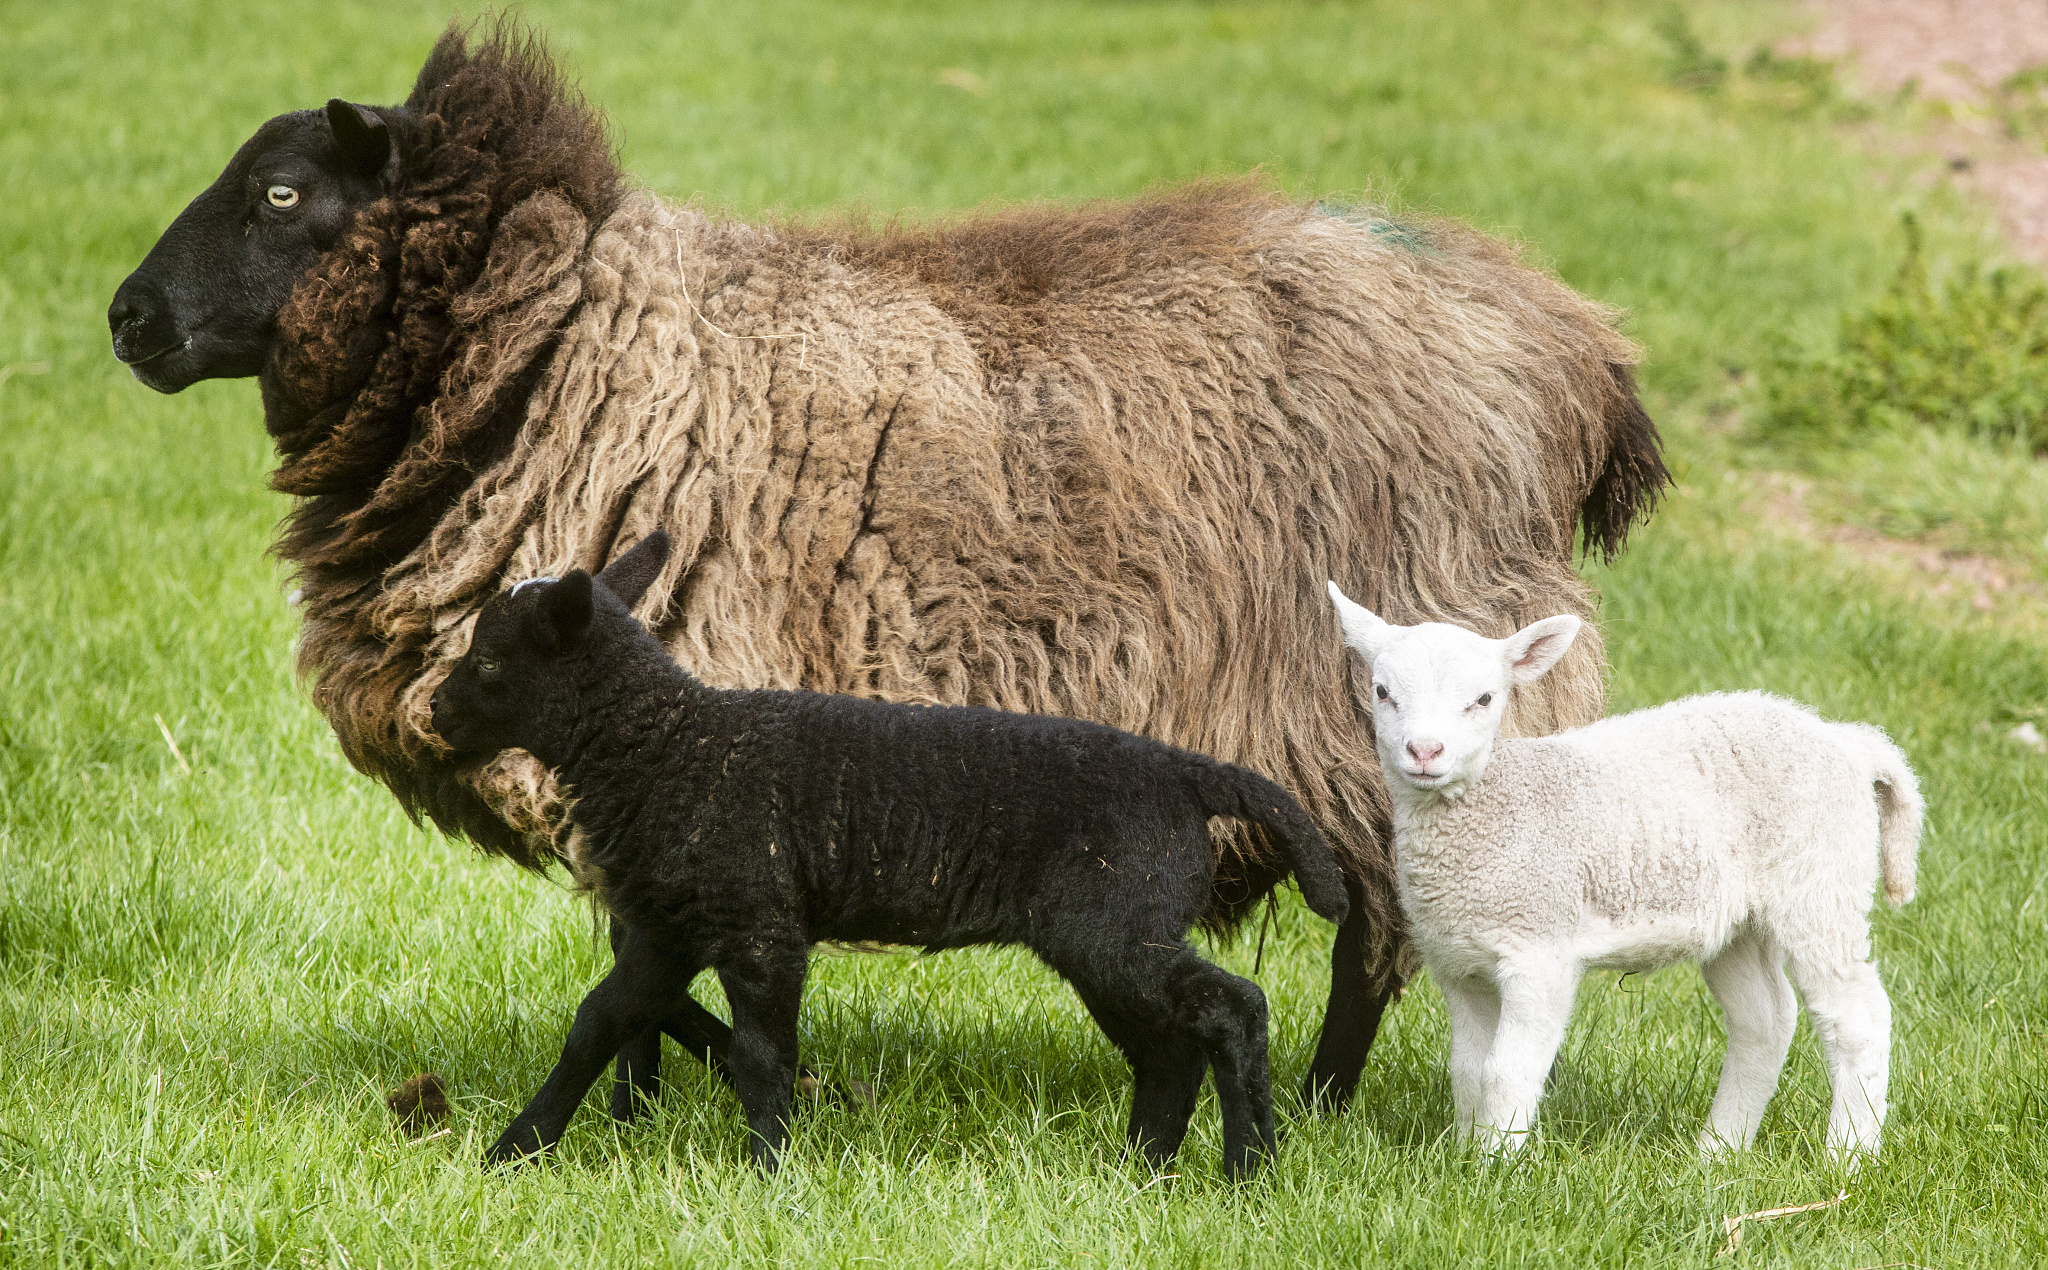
(1853, 1016)
(1475, 1009)
(1748, 979)
(1535, 1004)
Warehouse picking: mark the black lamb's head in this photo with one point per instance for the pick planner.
(203, 302)
(539, 648)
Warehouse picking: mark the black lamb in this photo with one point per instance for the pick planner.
(731, 830)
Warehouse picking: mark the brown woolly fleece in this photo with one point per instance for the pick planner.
(1092, 461)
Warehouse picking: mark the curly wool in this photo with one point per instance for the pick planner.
(1095, 462)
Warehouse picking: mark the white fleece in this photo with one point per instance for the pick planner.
(1739, 830)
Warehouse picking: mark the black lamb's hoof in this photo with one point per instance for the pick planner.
(1243, 1165)
(515, 1148)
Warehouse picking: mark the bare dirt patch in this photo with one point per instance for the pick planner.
(1959, 585)
(1956, 52)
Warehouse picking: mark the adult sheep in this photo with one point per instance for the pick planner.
(1090, 461)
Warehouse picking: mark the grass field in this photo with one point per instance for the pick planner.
(219, 945)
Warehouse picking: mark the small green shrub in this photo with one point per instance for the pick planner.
(1970, 356)
(1693, 66)
(2021, 103)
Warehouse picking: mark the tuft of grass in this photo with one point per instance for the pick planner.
(1968, 356)
(1693, 66)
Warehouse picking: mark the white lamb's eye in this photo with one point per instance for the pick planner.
(1380, 691)
(282, 196)
(1485, 698)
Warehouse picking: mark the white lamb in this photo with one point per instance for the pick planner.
(1738, 829)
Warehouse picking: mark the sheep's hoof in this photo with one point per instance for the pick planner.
(1713, 1146)
(510, 1151)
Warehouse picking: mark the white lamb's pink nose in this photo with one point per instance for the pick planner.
(1424, 752)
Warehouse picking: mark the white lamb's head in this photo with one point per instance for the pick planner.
(1439, 691)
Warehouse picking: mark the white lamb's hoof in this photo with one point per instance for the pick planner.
(1848, 1160)
(1499, 1144)
(1713, 1146)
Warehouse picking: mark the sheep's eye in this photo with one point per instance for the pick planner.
(486, 666)
(1485, 699)
(282, 196)
(1380, 691)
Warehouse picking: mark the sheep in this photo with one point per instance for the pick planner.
(1092, 461)
(1738, 830)
(731, 829)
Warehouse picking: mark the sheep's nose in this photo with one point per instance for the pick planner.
(1425, 752)
(123, 311)
(140, 321)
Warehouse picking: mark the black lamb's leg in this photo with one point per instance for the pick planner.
(1166, 1079)
(764, 991)
(1174, 1014)
(1228, 1015)
(640, 989)
(636, 1077)
(1352, 1019)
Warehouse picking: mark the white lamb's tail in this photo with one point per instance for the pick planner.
(1899, 811)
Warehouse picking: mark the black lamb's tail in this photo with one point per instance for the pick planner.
(1228, 790)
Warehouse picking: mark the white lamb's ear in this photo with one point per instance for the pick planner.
(1533, 650)
(1363, 630)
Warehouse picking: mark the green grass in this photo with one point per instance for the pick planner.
(208, 977)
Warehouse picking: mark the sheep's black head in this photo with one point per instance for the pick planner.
(203, 304)
(530, 658)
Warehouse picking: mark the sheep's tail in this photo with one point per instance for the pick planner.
(1224, 789)
(1899, 812)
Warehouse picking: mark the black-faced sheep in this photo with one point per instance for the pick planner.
(732, 829)
(1084, 461)
(1738, 830)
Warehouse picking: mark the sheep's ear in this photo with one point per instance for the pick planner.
(563, 613)
(364, 139)
(1363, 630)
(629, 576)
(1533, 650)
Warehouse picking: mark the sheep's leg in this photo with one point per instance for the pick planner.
(1352, 1019)
(1535, 1003)
(703, 1036)
(1474, 1008)
(1166, 1078)
(1748, 979)
(764, 991)
(637, 1074)
(1230, 1018)
(1853, 1016)
(640, 989)
(1174, 993)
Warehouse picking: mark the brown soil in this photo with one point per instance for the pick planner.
(1957, 585)
(1957, 52)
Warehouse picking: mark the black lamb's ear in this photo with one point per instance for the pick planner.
(563, 612)
(364, 140)
(629, 576)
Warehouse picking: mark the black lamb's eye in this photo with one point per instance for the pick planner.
(1380, 691)
(486, 666)
(1485, 698)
